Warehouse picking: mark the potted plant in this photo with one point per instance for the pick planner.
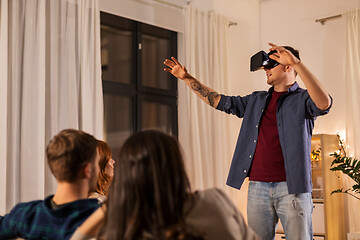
(349, 166)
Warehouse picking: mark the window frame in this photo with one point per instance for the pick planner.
(136, 90)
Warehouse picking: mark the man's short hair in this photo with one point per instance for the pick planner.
(293, 51)
(68, 152)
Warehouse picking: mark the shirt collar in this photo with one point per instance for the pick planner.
(293, 88)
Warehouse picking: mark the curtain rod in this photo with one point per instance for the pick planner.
(181, 7)
(324, 20)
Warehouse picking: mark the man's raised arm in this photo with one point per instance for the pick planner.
(314, 87)
(208, 95)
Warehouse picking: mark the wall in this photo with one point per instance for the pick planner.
(207, 5)
(146, 11)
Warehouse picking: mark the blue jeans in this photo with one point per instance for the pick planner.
(269, 201)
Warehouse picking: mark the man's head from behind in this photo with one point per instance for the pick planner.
(69, 152)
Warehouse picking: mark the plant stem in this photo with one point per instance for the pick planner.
(349, 194)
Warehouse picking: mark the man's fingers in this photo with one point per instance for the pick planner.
(167, 70)
(277, 48)
(176, 61)
(272, 44)
(169, 63)
(274, 57)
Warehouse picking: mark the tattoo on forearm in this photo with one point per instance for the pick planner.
(212, 97)
(205, 92)
(196, 86)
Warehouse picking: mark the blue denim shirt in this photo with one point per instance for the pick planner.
(296, 113)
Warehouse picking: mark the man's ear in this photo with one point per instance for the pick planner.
(288, 68)
(87, 170)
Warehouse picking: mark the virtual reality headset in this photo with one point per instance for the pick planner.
(261, 60)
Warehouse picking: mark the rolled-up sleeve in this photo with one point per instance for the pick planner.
(313, 110)
(235, 105)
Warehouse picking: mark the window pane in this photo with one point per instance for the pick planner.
(118, 119)
(156, 115)
(154, 51)
(116, 54)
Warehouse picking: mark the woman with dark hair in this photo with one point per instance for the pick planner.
(150, 198)
(106, 165)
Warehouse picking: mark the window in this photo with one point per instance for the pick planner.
(138, 94)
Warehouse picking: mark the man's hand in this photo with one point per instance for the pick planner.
(283, 56)
(175, 68)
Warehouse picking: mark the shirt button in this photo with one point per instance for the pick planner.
(244, 170)
(257, 126)
(250, 156)
(254, 140)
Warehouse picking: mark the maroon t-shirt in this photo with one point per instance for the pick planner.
(268, 163)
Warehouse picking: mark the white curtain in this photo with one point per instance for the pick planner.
(205, 132)
(353, 107)
(50, 79)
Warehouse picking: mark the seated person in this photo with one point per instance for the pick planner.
(73, 159)
(106, 165)
(150, 198)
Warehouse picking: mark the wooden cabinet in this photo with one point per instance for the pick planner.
(328, 214)
(324, 182)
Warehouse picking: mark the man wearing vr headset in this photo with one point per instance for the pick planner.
(274, 143)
